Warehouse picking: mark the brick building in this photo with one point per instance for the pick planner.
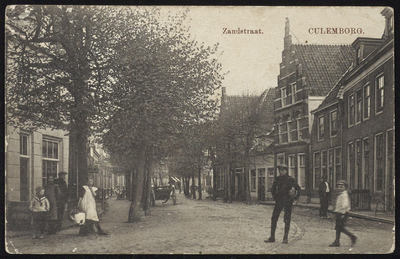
(353, 132)
(307, 74)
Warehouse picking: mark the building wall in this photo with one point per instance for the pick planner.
(33, 159)
(378, 123)
(330, 145)
(364, 164)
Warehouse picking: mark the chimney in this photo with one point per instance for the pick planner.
(388, 13)
(288, 38)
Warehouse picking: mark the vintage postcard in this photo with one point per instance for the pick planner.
(199, 130)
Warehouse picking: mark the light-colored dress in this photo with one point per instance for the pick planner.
(88, 204)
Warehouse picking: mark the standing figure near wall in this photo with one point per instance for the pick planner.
(53, 194)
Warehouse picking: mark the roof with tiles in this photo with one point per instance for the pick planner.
(323, 65)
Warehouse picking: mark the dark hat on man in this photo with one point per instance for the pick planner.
(342, 182)
(282, 165)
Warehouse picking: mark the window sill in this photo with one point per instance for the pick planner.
(380, 112)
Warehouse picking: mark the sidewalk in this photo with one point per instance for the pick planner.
(66, 223)
(383, 217)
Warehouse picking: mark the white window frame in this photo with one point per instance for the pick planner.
(315, 166)
(381, 75)
(358, 118)
(299, 133)
(319, 126)
(51, 159)
(292, 165)
(348, 172)
(365, 102)
(363, 161)
(337, 163)
(291, 130)
(28, 157)
(324, 151)
(283, 96)
(294, 90)
(349, 110)
(330, 123)
(357, 143)
(300, 167)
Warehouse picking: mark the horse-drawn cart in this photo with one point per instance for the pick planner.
(163, 193)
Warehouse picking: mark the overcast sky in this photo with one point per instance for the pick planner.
(253, 60)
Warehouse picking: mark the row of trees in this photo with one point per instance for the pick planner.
(138, 84)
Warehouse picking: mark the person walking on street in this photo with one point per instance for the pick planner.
(324, 197)
(87, 204)
(342, 207)
(52, 192)
(39, 207)
(284, 191)
(63, 199)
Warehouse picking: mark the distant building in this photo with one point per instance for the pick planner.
(307, 74)
(100, 168)
(353, 132)
(229, 168)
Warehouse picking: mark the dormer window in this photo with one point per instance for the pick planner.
(359, 54)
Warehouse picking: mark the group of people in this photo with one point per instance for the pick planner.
(48, 207)
(285, 191)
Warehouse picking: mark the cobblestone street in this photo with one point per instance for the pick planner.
(208, 227)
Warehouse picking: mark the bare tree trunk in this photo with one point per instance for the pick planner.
(77, 155)
(214, 183)
(193, 187)
(149, 175)
(229, 184)
(199, 182)
(138, 184)
(247, 181)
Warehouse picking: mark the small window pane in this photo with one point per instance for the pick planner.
(55, 147)
(50, 150)
(44, 149)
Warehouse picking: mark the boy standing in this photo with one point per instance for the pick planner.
(39, 207)
(342, 206)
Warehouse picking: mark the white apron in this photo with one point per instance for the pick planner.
(88, 204)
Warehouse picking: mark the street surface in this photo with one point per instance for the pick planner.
(207, 227)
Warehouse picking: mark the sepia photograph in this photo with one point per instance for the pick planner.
(199, 130)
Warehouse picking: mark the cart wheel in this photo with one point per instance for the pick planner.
(174, 199)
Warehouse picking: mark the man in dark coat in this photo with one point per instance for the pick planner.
(324, 197)
(284, 191)
(52, 192)
(63, 199)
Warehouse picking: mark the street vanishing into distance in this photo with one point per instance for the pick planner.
(209, 227)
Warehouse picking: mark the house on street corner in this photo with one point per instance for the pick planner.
(353, 130)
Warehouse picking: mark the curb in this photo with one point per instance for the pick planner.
(351, 214)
